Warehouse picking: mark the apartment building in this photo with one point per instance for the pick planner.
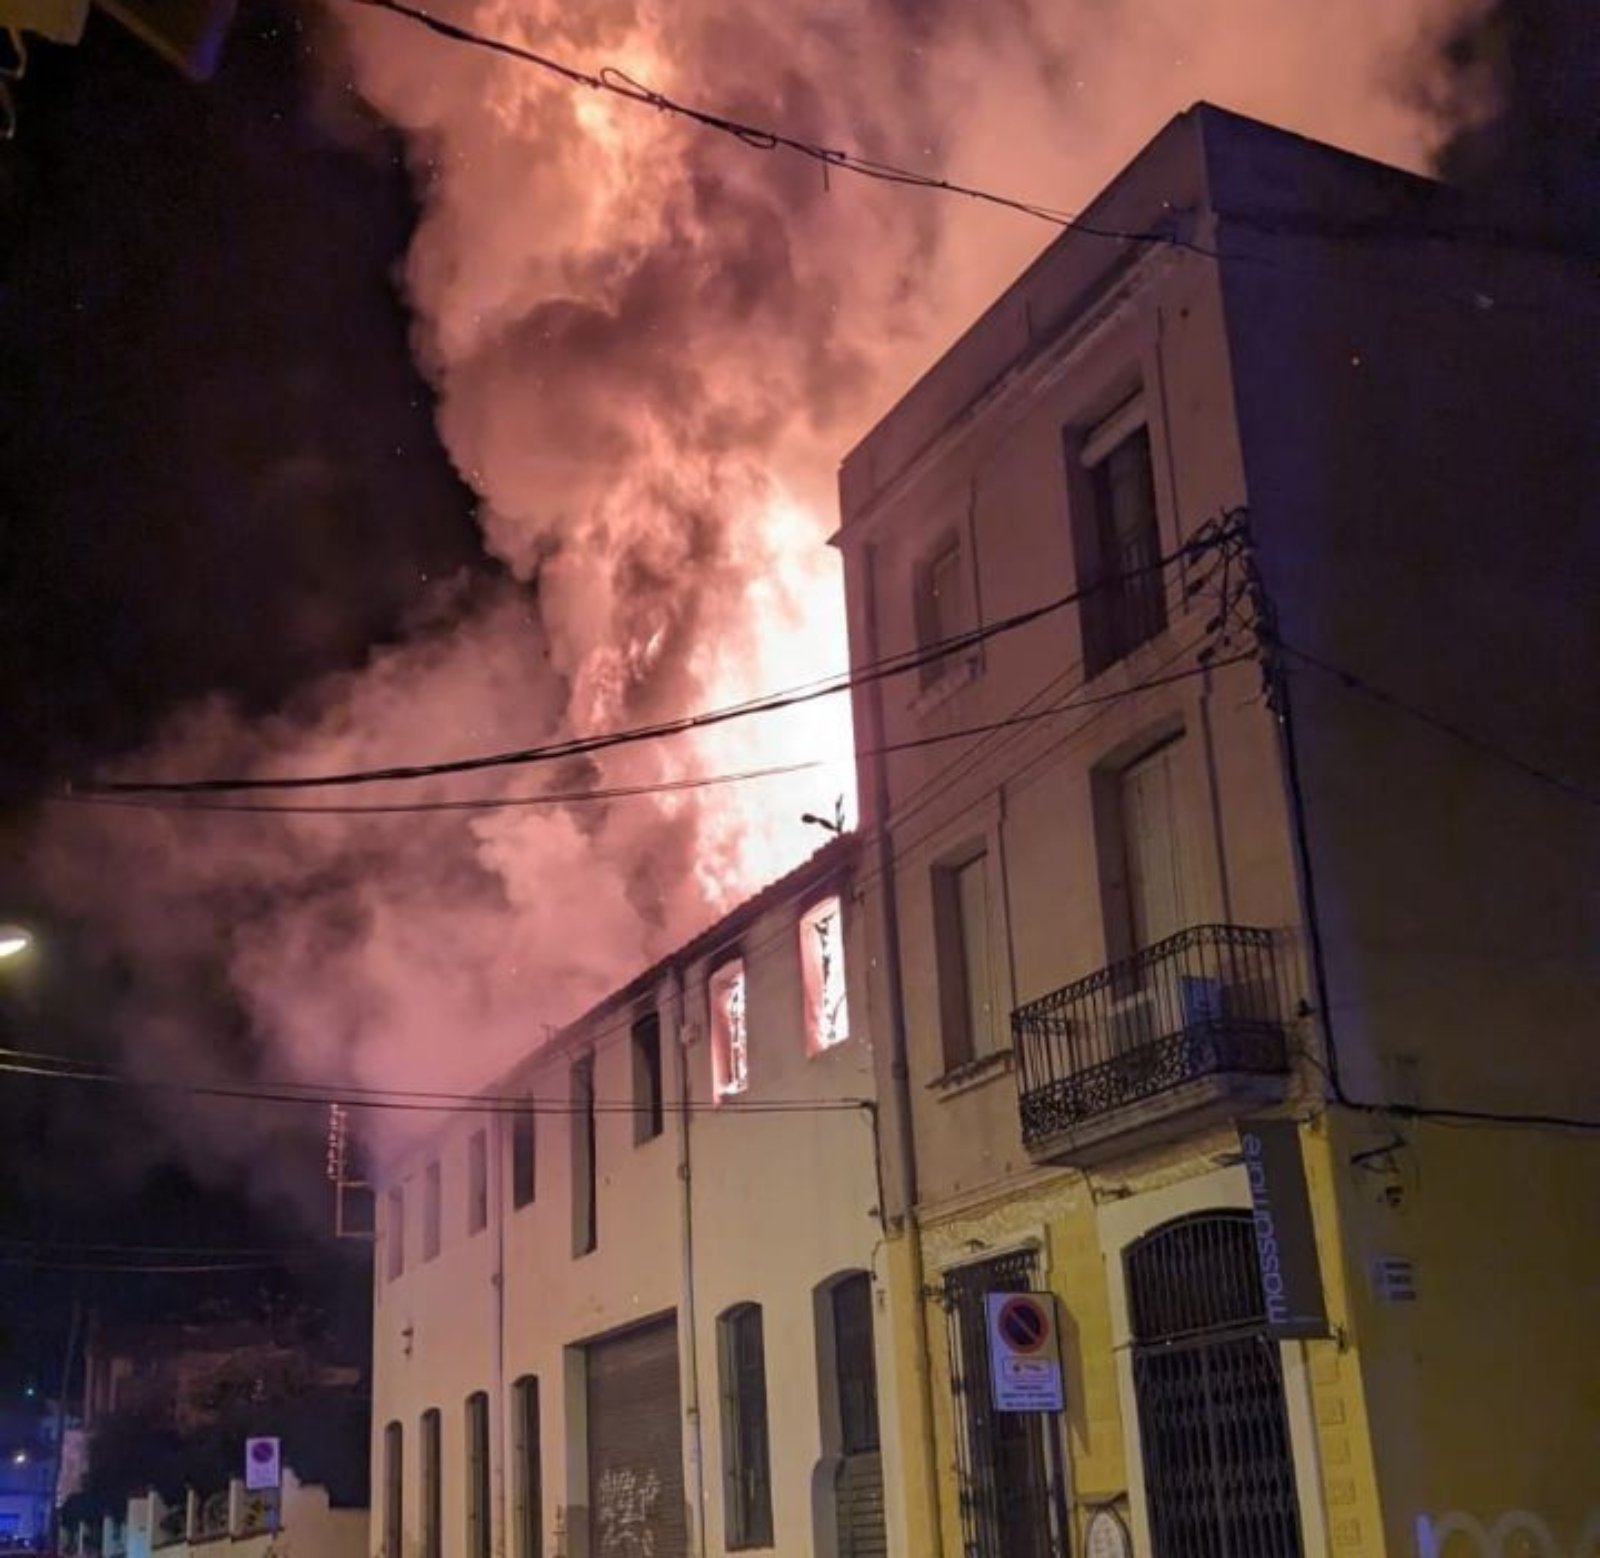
(629, 1305)
(1233, 859)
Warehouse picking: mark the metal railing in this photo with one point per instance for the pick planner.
(1202, 1003)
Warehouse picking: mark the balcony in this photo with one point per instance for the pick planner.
(1190, 1029)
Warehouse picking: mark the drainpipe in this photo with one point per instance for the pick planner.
(691, 1409)
(899, 1065)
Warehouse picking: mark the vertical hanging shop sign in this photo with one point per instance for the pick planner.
(1286, 1245)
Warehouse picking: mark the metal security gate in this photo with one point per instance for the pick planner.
(636, 1502)
(1218, 1465)
(1007, 1460)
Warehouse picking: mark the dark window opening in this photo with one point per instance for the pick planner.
(585, 1229)
(430, 1487)
(393, 1490)
(1119, 552)
(854, 1365)
(747, 1477)
(528, 1484)
(477, 1182)
(523, 1156)
(649, 1118)
(478, 1533)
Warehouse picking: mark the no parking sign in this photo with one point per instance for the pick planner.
(1024, 1352)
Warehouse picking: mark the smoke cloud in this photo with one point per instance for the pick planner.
(651, 344)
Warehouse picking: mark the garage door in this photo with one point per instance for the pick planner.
(636, 1503)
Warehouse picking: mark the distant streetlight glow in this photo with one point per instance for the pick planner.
(14, 939)
(20, 1458)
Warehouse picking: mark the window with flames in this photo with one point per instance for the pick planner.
(730, 1035)
(822, 969)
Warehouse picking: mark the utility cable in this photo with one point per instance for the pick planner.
(584, 745)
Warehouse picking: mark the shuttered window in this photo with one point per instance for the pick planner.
(432, 1197)
(747, 1476)
(478, 1533)
(585, 1211)
(477, 1182)
(393, 1489)
(1159, 890)
(965, 967)
(649, 1118)
(429, 1489)
(527, 1482)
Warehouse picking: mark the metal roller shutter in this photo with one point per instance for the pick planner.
(636, 1499)
(860, 1507)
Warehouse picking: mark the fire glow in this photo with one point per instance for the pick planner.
(651, 345)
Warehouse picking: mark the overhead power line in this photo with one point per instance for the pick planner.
(64, 1068)
(618, 83)
(582, 746)
(1479, 744)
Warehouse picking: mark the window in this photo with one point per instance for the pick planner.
(747, 1480)
(1008, 1463)
(527, 1483)
(822, 973)
(966, 983)
(855, 1370)
(1117, 536)
(477, 1182)
(585, 1230)
(942, 608)
(1146, 878)
(431, 1196)
(394, 1229)
(478, 1475)
(524, 1163)
(730, 1038)
(393, 1490)
(429, 1485)
(648, 1117)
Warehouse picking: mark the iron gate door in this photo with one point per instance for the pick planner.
(1214, 1435)
(636, 1502)
(1008, 1462)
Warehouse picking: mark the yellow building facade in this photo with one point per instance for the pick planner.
(1225, 995)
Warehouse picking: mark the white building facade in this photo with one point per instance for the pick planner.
(628, 1305)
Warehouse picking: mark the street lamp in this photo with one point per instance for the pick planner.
(14, 939)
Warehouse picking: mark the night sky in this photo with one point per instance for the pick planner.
(219, 473)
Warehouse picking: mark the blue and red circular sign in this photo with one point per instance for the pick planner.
(1023, 1324)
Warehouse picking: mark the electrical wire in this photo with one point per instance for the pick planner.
(393, 808)
(894, 665)
(63, 1068)
(1479, 744)
(618, 83)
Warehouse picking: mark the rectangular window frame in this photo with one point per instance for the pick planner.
(394, 1438)
(823, 975)
(585, 1171)
(964, 991)
(729, 1028)
(524, 1157)
(477, 1182)
(1124, 606)
(649, 1101)
(394, 1233)
(746, 1439)
(527, 1486)
(432, 1210)
(479, 1534)
(430, 1483)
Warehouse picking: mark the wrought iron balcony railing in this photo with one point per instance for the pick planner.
(1207, 1002)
